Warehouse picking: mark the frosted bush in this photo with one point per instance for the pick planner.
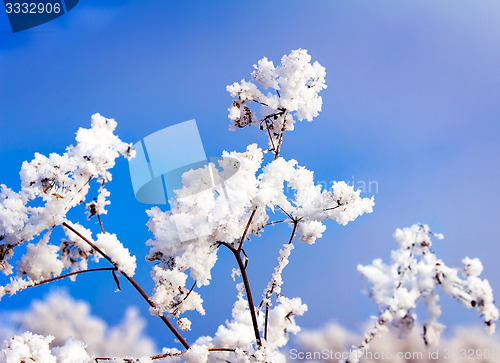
(267, 189)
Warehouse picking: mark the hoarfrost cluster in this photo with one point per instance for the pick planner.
(296, 83)
(256, 194)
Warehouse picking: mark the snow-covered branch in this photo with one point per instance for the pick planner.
(50, 187)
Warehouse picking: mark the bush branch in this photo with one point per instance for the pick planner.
(133, 283)
(246, 229)
(72, 274)
(244, 276)
(280, 139)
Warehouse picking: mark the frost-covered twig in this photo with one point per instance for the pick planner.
(277, 280)
(186, 238)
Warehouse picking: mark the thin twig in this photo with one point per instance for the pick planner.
(166, 355)
(275, 222)
(294, 230)
(280, 139)
(79, 190)
(221, 349)
(100, 223)
(133, 283)
(73, 273)
(246, 229)
(267, 119)
(97, 249)
(270, 136)
(332, 208)
(185, 297)
(247, 290)
(284, 211)
(281, 112)
(259, 102)
(265, 324)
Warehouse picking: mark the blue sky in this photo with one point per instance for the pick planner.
(412, 103)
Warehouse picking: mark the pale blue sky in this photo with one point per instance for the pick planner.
(412, 103)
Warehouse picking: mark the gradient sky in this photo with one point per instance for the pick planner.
(412, 103)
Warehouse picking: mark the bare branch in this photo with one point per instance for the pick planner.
(266, 321)
(259, 102)
(270, 136)
(100, 223)
(185, 297)
(246, 229)
(133, 283)
(284, 211)
(339, 205)
(294, 230)
(72, 274)
(280, 139)
(248, 291)
(275, 222)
